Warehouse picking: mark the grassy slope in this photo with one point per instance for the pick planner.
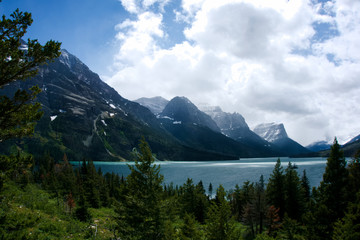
(31, 213)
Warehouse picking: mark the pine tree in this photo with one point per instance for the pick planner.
(333, 187)
(255, 210)
(189, 230)
(139, 213)
(294, 200)
(305, 185)
(210, 190)
(354, 176)
(19, 61)
(18, 113)
(348, 228)
(219, 224)
(275, 191)
(330, 196)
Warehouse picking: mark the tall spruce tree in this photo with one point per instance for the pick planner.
(294, 200)
(333, 187)
(305, 186)
(139, 212)
(354, 176)
(219, 223)
(330, 196)
(275, 191)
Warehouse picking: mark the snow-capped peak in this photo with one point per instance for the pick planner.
(271, 132)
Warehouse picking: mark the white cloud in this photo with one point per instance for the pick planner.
(245, 56)
(140, 6)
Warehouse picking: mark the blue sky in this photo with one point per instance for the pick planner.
(85, 28)
(295, 62)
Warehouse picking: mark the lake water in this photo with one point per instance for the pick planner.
(227, 173)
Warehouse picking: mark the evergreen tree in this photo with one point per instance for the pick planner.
(332, 189)
(348, 228)
(219, 223)
(294, 200)
(92, 185)
(18, 113)
(201, 203)
(188, 197)
(237, 202)
(189, 230)
(255, 211)
(330, 197)
(275, 191)
(354, 176)
(305, 186)
(19, 62)
(81, 212)
(139, 213)
(210, 190)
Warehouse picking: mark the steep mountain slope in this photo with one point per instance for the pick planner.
(196, 129)
(182, 110)
(234, 126)
(355, 139)
(156, 104)
(276, 134)
(319, 146)
(85, 118)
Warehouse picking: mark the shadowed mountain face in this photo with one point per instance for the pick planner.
(319, 146)
(85, 118)
(197, 129)
(233, 125)
(276, 134)
(181, 109)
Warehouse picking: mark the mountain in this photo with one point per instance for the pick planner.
(86, 118)
(352, 147)
(355, 139)
(196, 129)
(276, 134)
(156, 104)
(271, 132)
(234, 126)
(183, 110)
(319, 146)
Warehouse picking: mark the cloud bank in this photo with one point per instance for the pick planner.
(296, 62)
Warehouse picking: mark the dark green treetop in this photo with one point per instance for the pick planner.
(139, 212)
(19, 61)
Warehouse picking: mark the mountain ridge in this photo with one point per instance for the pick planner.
(86, 118)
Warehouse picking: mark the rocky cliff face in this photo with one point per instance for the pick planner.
(181, 109)
(276, 134)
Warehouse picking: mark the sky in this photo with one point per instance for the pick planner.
(295, 62)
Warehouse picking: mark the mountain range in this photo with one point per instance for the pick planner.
(86, 118)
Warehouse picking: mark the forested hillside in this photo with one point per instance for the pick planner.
(45, 197)
(51, 199)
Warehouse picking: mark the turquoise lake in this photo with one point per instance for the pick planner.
(227, 173)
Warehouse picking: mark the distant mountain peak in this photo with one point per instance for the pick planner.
(182, 109)
(271, 132)
(225, 121)
(155, 104)
(319, 146)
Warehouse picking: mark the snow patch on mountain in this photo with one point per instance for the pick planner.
(225, 121)
(271, 132)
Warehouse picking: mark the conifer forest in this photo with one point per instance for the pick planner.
(49, 198)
